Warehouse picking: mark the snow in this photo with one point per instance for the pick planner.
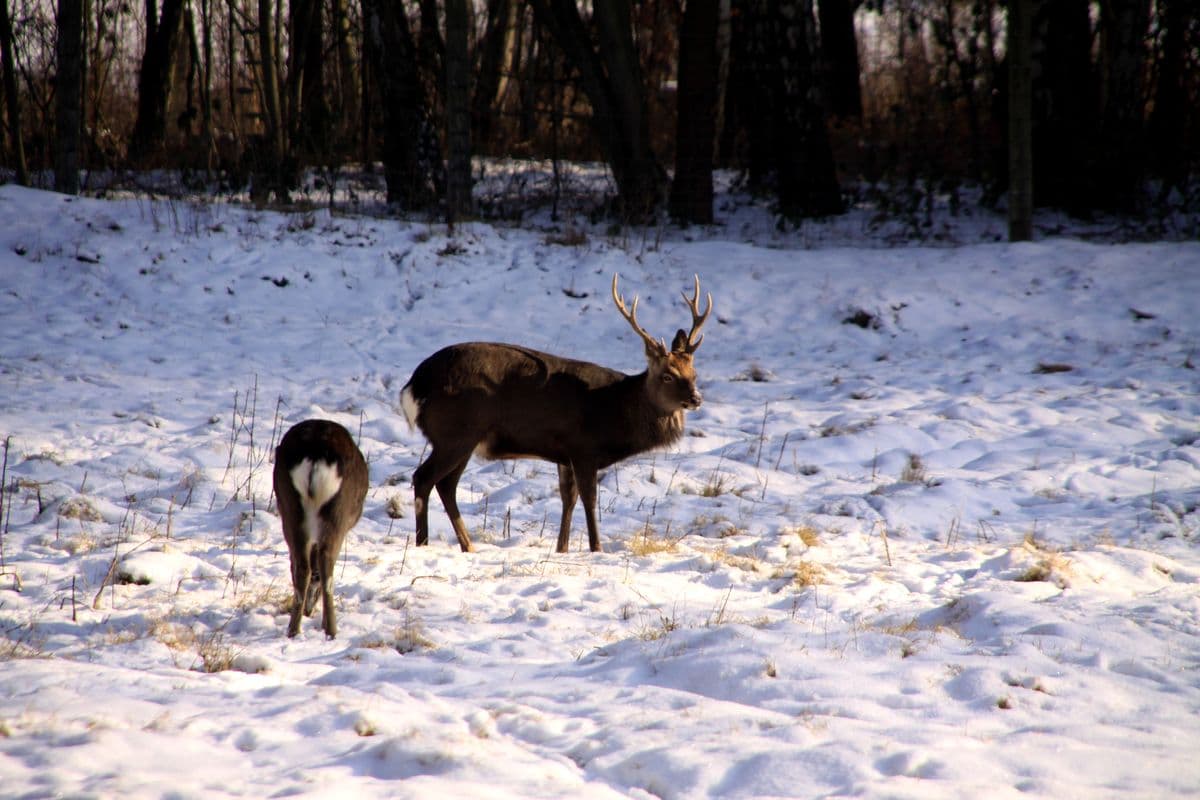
(933, 533)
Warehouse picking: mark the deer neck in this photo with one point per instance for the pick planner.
(647, 421)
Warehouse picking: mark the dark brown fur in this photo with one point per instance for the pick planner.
(314, 552)
(506, 401)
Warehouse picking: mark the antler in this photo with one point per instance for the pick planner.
(697, 318)
(630, 315)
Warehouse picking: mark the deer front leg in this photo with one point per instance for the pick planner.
(585, 479)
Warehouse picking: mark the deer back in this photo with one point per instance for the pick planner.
(321, 480)
(506, 401)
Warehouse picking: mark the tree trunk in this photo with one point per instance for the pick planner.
(1168, 121)
(307, 112)
(69, 95)
(1020, 121)
(839, 51)
(753, 75)
(1124, 25)
(458, 111)
(498, 45)
(12, 101)
(611, 78)
(1065, 106)
(692, 189)
(348, 77)
(154, 78)
(808, 185)
(411, 166)
(268, 170)
(207, 133)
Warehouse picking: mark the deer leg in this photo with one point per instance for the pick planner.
(446, 489)
(569, 493)
(325, 558)
(301, 575)
(432, 470)
(585, 477)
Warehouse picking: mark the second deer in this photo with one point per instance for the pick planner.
(321, 481)
(505, 401)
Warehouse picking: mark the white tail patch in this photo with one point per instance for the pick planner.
(317, 483)
(410, 406)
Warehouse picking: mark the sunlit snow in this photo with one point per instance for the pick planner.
(933, 533)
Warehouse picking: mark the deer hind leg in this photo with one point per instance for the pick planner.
(301, 578)
(569, 492)
(326, 559)
(432, 471)
(585, 478)
(446, 489)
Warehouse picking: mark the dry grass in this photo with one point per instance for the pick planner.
(802, 573)
(663, 628)
(647, 542)
(807, 574)
(807, 534)
(21, 643)
(1049, 565)
(212, 652)
(744, 563)
(411, 636)
(79, 508)
(272, 599)
(716, 526)
(914, 470)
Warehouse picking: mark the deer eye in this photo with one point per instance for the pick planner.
(668, 377)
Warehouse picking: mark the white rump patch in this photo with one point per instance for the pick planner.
(317, 483)
(410, 406)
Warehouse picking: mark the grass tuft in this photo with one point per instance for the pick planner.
(647, 542)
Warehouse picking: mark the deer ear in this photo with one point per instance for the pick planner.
(680, 343)
(655, 348)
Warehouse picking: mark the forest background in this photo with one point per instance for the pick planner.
(1087, 107)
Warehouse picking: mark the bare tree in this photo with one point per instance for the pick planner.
(1020, 121)
(12, 101)
(1168, 120)
(839, 52)
(412, 166)
(692, 188)
(1124, 25)
(348, 74)
(610, 76)
(163, 35)
(1065, 104)
(269, 175)
(307, 111)
(497, 49)
(69, 95)
(458, 111)
(780, 106)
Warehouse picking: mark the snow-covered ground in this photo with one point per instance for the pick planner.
(933, 533)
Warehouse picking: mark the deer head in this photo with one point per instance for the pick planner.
(670, 374)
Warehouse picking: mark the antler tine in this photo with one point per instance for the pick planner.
(630, 315)
(698, 319)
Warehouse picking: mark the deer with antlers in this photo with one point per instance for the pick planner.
(503, 401)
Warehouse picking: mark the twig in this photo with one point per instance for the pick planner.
(3, 505)
(762, 435)
(112, 569)
(782, 447)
